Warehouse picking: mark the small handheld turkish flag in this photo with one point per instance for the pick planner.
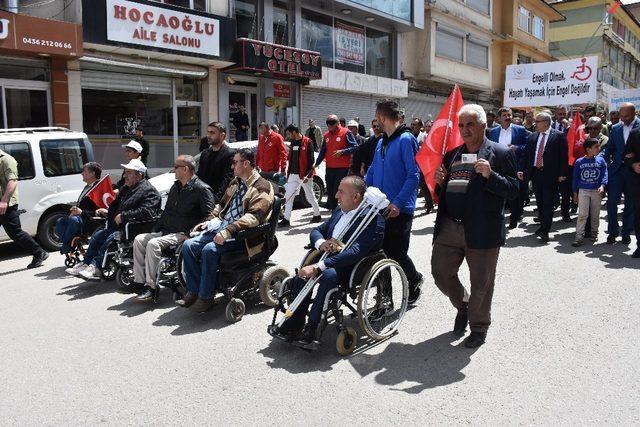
(575, 139)
(102, 193)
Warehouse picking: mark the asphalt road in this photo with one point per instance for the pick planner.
(562, 349)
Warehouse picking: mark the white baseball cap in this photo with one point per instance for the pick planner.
(134, 145)
(352, 123)
(135, 165)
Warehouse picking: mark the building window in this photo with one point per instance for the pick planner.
(538, 28)
(477, 54)
(524, 19)
(482, 6)
(398, 8)
(189, 4)
(247, 18)
(280, 24)
(378, 53)
(317, 35)
(449, 45)
(522, 59)
(349, 50)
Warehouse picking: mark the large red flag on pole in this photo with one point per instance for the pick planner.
(102, 193)
(614, 6)
(575, 139)
(443, 137)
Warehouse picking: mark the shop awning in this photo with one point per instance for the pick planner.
(260, 58)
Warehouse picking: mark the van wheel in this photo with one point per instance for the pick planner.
(47, 231)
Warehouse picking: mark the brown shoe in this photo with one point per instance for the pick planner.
(202, 305)
(187, 300)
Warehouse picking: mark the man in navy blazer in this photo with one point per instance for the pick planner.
(473, 182)
(546, 164)
(516, 138)
(335, 268)
(619, 175)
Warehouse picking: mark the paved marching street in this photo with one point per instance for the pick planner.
(561, 349)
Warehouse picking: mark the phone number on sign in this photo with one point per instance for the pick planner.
(48, 43)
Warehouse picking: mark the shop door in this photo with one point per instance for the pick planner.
(189, 123)
(24, 104)
(248, 99)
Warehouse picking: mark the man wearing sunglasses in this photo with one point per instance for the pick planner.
(190, 201)
(339, 144)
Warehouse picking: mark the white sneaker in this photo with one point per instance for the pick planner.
(76, 269)
(90, 273)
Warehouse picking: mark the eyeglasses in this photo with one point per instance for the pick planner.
(331, 122)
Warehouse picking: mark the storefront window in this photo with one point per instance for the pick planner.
(188, 89)
(280, 24)
(247, 18)
(317, 35)
(378, 53)
(398, 8)
(349, 51)
(189, 4)
(26, 108)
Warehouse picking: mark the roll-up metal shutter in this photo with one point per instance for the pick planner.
(422, 106)
(317, 104)
(125, 82)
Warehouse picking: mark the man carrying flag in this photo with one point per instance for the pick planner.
(102, 193)
(473, 183)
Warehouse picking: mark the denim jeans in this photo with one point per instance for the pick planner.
(67, 228)
(201, 257)
(98, 245)
(329, 280)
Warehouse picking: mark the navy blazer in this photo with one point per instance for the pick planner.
(615, 148)
(484, 214)
(369, 240)
(555, 159)
(519, 138)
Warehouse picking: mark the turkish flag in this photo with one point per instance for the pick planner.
(614, 6)
(575, 139)
(444, 136)
(102, 193)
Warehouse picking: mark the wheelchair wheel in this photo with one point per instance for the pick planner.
(70, 261)
(383, 297)
(346, 341)
(124, 277)
(179, 271)
(109, 271)
(311, 257)
(235, 310)
(271, 283)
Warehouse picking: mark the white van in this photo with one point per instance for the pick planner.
(49, 161)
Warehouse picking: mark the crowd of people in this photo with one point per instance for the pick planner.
(503, 159)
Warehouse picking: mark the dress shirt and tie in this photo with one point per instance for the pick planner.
(542, 139)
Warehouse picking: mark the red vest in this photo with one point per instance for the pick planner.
(303, 158)
(334, 142)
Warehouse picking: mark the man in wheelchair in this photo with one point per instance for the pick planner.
(190, 200)
(246, 204)
(336, 268)
(137, 201)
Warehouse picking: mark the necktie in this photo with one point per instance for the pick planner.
(540, 152)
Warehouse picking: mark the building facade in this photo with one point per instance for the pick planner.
(521, 30)
(590, 31)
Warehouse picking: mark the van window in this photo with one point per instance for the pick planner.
(22, 153)
(63, 156)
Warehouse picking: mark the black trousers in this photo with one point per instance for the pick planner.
(517, 204)
(635, 199)
(566, 192)
(397, 233)
(545, 197)
(334, 176)
(11, 223)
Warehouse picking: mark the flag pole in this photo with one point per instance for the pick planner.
(447, 130)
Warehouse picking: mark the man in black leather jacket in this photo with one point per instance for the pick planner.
(215, 162)
(189, 203)
(137, 201)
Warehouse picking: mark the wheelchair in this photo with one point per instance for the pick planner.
(376, 293)
(117, 262)
(240, 277)
(80, 243)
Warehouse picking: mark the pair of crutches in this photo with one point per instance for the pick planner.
(374, 201)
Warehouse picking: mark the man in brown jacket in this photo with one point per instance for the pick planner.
(246, 204)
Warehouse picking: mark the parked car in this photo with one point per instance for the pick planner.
(50, 161)
(163, 182)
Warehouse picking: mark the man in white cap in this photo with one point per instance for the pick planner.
(353, 128)
(137, 200)
(132, 150)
